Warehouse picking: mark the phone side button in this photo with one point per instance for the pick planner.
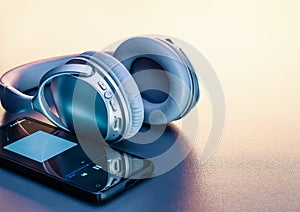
(130, 183)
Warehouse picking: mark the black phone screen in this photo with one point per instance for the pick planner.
(58, 154)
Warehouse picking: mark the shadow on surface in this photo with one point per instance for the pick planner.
(166, 192)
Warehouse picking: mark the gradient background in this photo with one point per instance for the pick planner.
(254, 48)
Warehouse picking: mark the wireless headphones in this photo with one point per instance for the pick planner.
(144, 80)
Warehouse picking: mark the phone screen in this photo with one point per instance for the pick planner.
(58, 154)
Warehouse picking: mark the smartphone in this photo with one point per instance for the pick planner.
(58, 159)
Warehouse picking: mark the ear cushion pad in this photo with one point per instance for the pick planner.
(127, 86)
(180, 82)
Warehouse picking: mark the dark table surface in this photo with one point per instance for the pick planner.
(260, 174)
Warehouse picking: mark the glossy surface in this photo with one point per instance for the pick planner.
(93, 167)
(254, 48)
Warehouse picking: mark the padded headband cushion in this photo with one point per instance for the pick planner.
(28, 76)
(179, 79)
(126, 83)
(23, 79)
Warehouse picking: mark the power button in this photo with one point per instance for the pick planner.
(108, 94)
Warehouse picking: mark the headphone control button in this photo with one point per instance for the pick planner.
(108, 94)
(117, 124)
(102, 85)
(113, 105)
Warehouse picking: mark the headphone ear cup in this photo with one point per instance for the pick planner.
(74, 101)
(127, 86)
(87, 98)
(146, 59)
